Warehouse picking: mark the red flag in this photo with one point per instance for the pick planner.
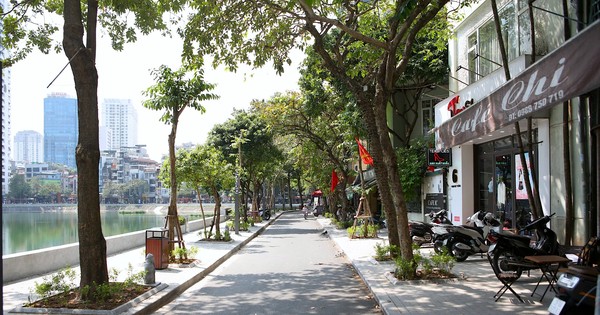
(334, 180)
(364, 154)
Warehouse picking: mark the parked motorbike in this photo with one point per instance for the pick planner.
(422, 232)
(465, 240)
(576, 291)
(508, 250)
(265, 214)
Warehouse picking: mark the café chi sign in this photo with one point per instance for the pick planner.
(569, 71)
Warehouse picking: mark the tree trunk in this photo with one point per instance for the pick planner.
(255, 200)
(366, 108)
(569, 211)
(172, 216)
(201, 210)
(531, 191)
(92, 245)
(289, 187)
(300, 191)
(217, 218)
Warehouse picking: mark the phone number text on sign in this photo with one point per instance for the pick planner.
(537, 105)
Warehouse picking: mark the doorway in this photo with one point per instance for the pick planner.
(501, 182)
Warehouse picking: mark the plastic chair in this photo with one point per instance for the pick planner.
(507, 280)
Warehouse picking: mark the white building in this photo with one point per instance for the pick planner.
(120, 118)
(29, 147)
(104, 138)
(6, 132)
(478, 122)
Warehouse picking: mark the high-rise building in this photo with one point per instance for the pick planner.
(104, 138)
(60, 129)
(120, 118)
(29, 147)
(6, 135)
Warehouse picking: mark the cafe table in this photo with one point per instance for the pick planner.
(545, 264)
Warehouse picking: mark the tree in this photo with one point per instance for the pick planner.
(172, 94)
(18, 188)
(258, 151)
(25, 27)
(205, 167)
(319, 135)
(373, 44)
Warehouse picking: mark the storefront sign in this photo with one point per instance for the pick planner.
(439, 158)
(434, 202)
(568, 71)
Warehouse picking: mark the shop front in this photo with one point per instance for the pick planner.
(488, 171)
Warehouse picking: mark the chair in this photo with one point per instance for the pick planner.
(507, 280)
(589, 253)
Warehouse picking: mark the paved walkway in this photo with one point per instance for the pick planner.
(472, 294)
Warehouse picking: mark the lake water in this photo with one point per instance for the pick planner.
(26, 230)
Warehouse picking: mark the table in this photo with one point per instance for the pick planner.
(545, 263)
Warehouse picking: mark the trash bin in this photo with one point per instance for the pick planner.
(157, 244)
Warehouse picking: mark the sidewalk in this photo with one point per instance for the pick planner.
(470, 295)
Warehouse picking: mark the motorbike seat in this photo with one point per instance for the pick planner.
(515, 236)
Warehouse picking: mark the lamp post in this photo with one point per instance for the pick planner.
(236, 219)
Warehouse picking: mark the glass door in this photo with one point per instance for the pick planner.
(503, 176)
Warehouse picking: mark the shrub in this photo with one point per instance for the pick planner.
(439, 264)
(364, 231)
(60, 282)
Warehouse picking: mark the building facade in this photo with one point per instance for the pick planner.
(120, 119)
(29, 147)
(61, 129)
(505, 122)
(6, 132)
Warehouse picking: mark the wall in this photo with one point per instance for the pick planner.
(38, 262)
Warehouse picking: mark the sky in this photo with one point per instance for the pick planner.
(126, 74)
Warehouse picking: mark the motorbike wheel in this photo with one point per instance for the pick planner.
(438, 247)
(502, 259)
(459, 254)
(267, 217)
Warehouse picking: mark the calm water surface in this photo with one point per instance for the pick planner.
(25, 231)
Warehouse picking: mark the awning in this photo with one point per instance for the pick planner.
(568, 71)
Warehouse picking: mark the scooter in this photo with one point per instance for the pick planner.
(577, 290)
(465, 240)
(508, 250)
(265, 214)
(422, 232)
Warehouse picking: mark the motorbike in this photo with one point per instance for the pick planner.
(576, 291)
(465, 240)
(422, 232)
(265, 214)
(508, 250)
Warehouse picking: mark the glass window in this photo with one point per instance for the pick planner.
(472, 42)
(428, 116)
(483, 53)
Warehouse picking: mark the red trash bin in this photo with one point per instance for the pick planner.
(157, 244)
